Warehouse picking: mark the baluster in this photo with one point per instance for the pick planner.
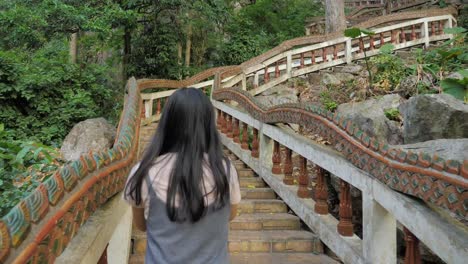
(392, 37)
(324, 54)
(266, 76)
(158, 107)
(302, 60)
(313, 57)
(219, 120)
(235, 131)
(382, 39)
(441, 28)
(245, 137)
(224, 122)
(276, 158)
(371, 43)
(403, 35)
(335, 52)
(345, 226)
(255, 144)
(302, 191)
(229, 126)
(321, 192)
(288, 168)
(412, 254)
(413, 32)
(433, 31)
(361, 45)
(255, 81)
(277, 71)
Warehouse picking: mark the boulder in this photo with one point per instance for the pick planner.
(272, 100)
(352, 68)
(409, 85)
(435, 116)
(280, 89)
(91, 134)
(370, 117)
(344, 77)
(330, 79)
(314, 78)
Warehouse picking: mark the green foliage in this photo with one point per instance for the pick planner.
(326, 98)
(390, 69)
(331, 106)
(387, 48)
(449, 56)
(263, 25)
(357, 32)
(458, 88)
(393, 114)
(23, 165)
(463, 17)
(42, 95)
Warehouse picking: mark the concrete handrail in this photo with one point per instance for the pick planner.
(359, 161)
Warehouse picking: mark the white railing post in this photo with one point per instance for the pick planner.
(449, 25)
(426, 34)
(289, 64)
(148, 108)
(255, 81)
(244, 82)
(379, 232)
(348, 52)
(118, 250)
(265, 148)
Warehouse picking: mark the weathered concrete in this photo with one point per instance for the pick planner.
(91, 240)
(448, 241)
(119, 250)
(379, 229)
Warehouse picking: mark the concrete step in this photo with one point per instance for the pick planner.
(280, 258)
(262, 221)
(274, 241)
(239, 164)
(251, 182)
(261, 206)
(257, 193)
(139, 242)
(245, 172)
(138, 259)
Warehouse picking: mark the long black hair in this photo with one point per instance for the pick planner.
(187, 128)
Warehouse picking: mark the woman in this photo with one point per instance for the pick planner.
(184, 191)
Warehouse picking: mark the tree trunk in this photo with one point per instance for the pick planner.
(179, 53)
(335, 16)
(73, 47)
(127, 52)
(188, 45)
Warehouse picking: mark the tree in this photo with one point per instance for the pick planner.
(334, 16)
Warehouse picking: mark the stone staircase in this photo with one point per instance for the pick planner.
(265, 230)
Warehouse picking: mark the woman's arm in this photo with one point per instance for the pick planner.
(139, 218)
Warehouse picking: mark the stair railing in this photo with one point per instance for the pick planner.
(304, 55)
(341, 50)
(360, 162)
